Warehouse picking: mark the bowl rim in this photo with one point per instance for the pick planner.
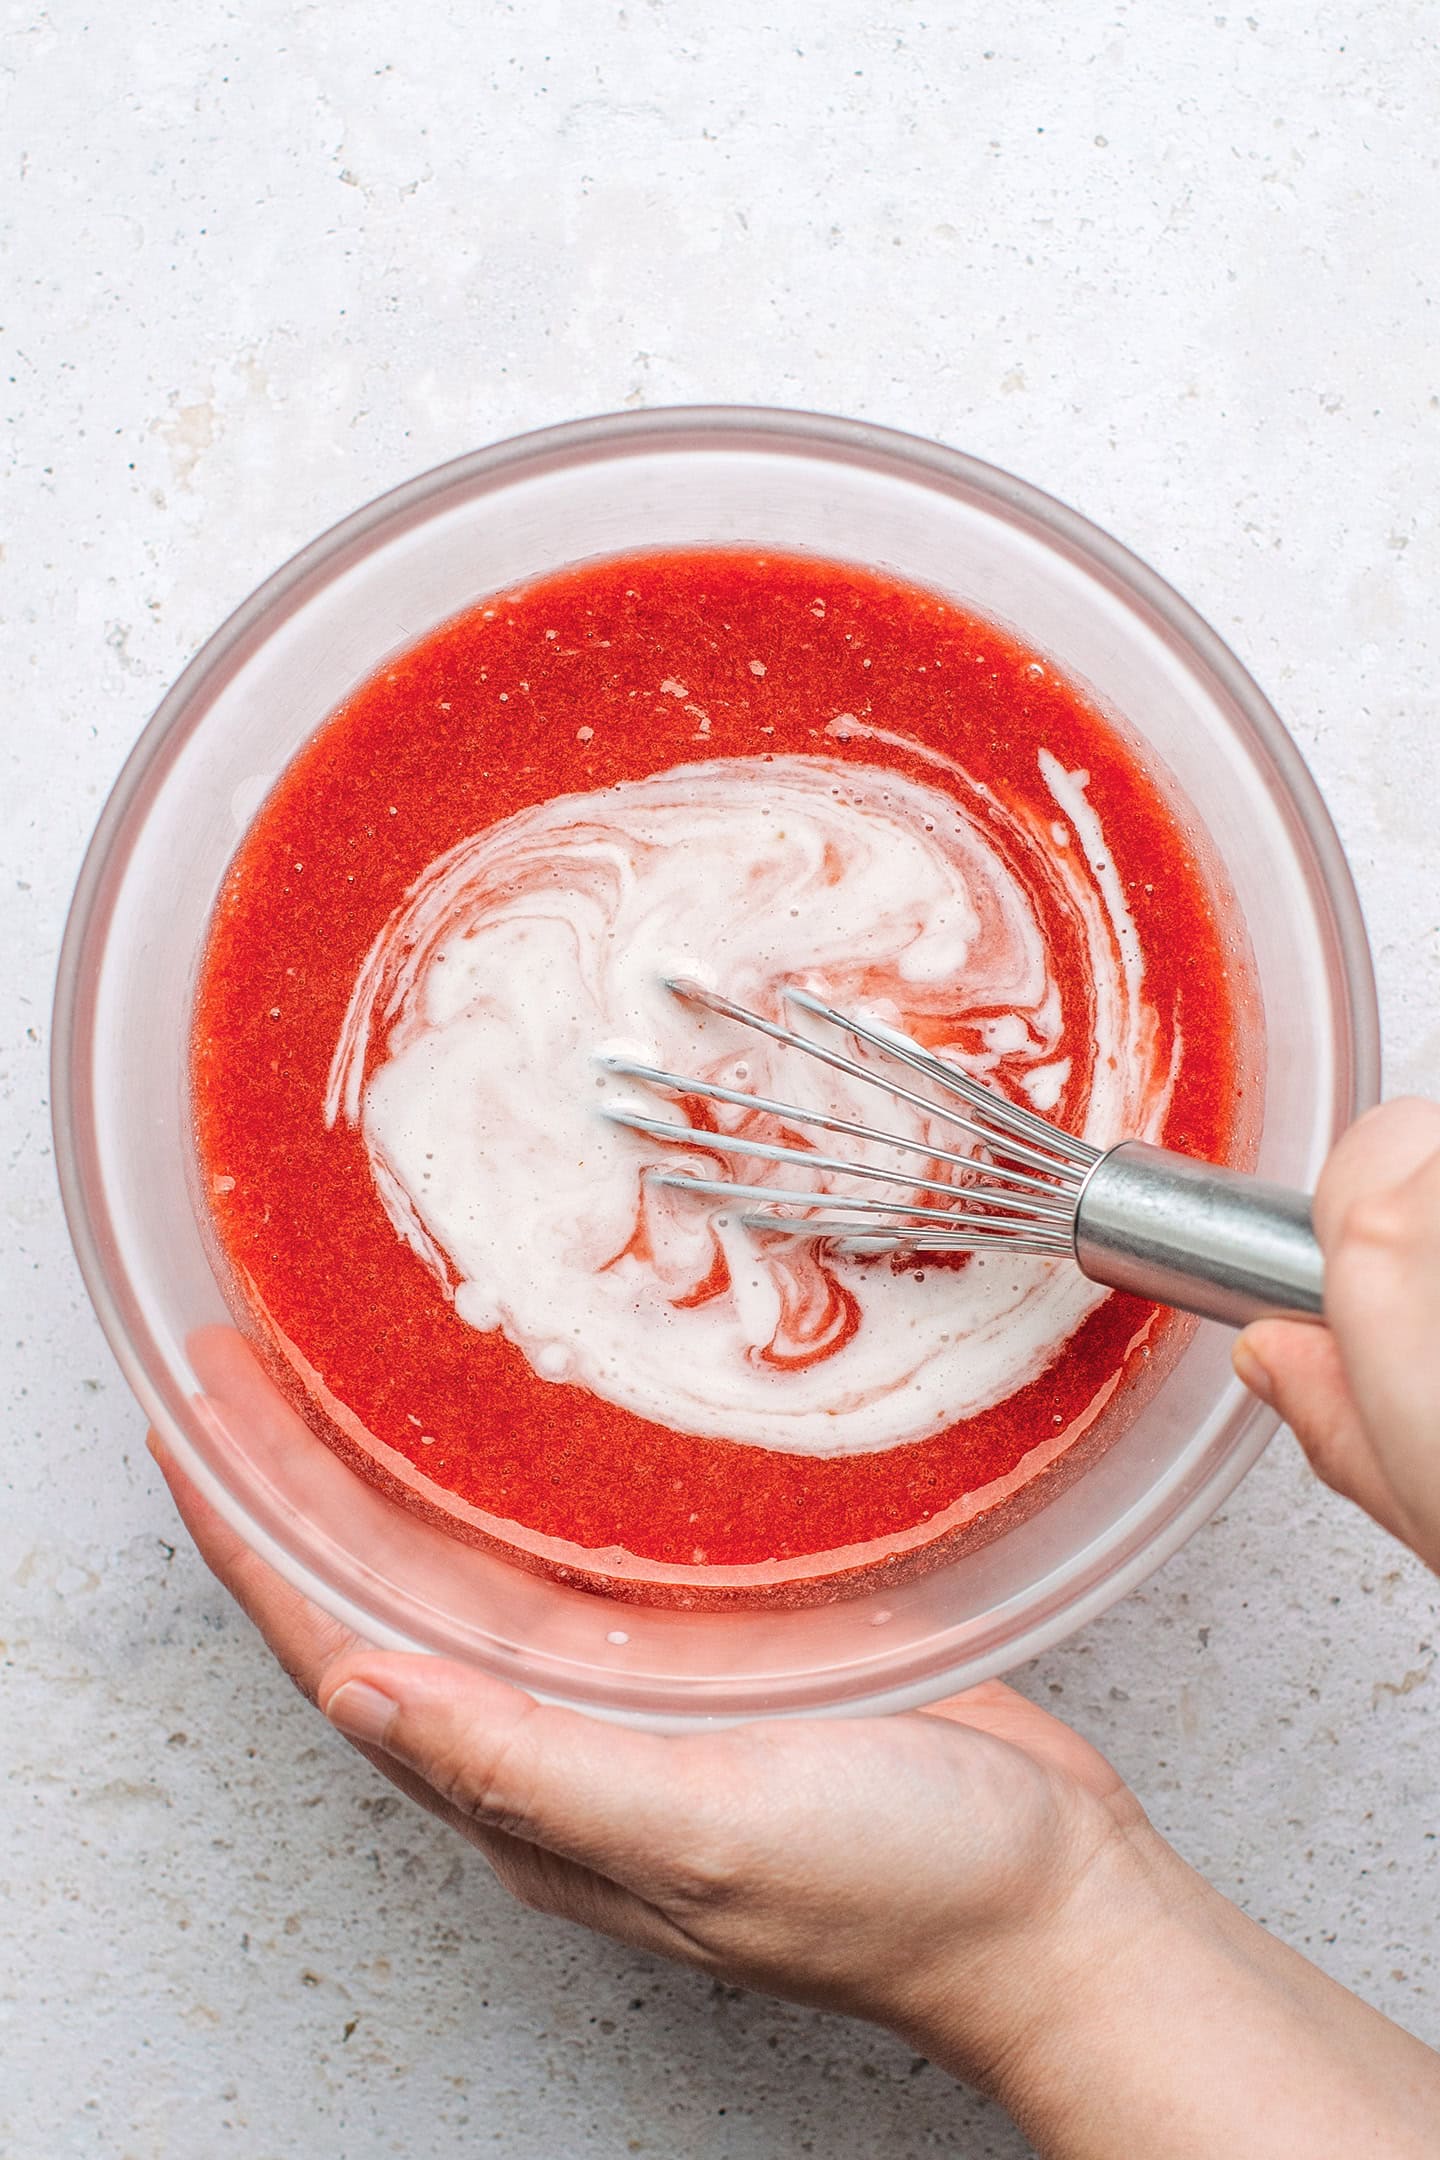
(794, 431)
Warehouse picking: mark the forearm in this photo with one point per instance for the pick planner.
(1161, 2021)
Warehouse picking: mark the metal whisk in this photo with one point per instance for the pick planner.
(1134, 1217)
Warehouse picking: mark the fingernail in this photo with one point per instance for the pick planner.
(1249, 1368)
(361, 1712)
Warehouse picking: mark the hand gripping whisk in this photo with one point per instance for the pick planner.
(1134, 1217)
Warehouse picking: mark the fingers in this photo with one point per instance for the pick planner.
(1297, 1369)
(1380, 1151)
(549, 1883)
(1362, 1397)
(1381, 1229)
(481, 1755)
(308, 1644)
(625, 1803)
(303, 1638)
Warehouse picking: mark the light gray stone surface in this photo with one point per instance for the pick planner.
(1177, 265)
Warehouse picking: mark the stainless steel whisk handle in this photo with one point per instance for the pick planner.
(1209, 1241)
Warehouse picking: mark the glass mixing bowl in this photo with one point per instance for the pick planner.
(275, 671)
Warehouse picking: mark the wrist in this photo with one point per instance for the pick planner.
(1151, 2015)
(999, 2014)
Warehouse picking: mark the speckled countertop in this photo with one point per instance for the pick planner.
(1176, 265)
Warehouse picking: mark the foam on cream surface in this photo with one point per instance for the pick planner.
(467, 1062)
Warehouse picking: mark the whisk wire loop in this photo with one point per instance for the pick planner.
(1133, 1216)
(997, 1110)
(988, 1134)
(1015, 1189)
(712, 1091)
(723, 1189)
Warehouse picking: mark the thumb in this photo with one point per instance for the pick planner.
(602, 1795)
(576, 1818)
(1296, 1368)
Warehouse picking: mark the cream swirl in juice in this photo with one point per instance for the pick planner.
(467, 1061)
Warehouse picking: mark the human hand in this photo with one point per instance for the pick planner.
(923, 1871)
(976, 1877)
(1363, 1393)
